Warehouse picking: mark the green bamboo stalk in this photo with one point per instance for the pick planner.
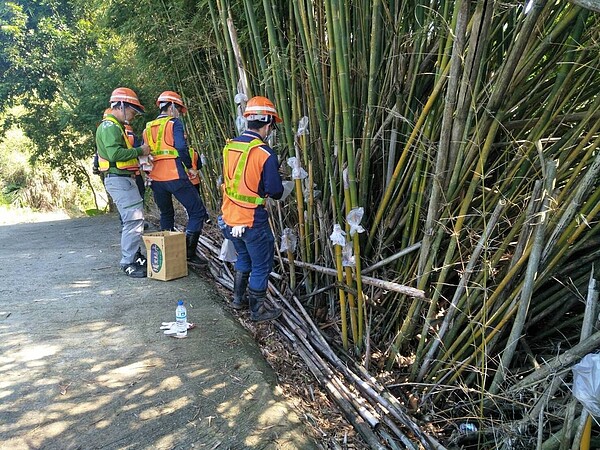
(372, 97)
(399, 165)
(462, 286)
(575, 201)
(461, 10)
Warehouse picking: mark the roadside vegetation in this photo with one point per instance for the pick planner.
(29, 190)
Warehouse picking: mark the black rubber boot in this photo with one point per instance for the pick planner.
(191, 240)
(258, 310)
(240, 283)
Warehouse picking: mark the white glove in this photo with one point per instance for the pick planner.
(238, 230)
(171, 327)
(288, 187)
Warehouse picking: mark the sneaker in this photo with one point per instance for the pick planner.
(134, 271)
(139, 259)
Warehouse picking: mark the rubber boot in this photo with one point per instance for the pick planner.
(258, 310)
(240, 283)
(191, 240)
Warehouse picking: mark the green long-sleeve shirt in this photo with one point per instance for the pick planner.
(110, 143)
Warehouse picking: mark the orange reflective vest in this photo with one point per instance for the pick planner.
(159, 136)
(129, 134)
(194, 157)
(131, 164)
(236, 184)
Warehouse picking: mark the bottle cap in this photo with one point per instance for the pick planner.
(180, 302)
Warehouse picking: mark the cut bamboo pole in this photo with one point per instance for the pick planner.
(387, 285)
(527, 292)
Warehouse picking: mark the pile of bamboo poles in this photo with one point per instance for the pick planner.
(383, 421)
(377, 416)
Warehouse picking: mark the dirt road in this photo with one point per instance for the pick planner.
(83, 364)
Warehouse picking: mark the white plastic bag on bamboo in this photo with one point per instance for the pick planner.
(586, 383)
(288, 187)
(288, 241)
(302, 126)
(297, 171)
(306, 191)
(348, 259)
(240, 121)
(338, 237)
(353, 218)
(228, 253)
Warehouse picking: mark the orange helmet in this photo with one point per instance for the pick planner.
(170, 97)
(126, 95)
(261, 108)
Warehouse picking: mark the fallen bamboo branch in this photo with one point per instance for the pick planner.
(392, 258)
(562, 361)
(367, 387)
(387, 285)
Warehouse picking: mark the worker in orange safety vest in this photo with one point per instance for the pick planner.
(172, 169)
(251, 175)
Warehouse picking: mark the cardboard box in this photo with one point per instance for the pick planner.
(166, 255)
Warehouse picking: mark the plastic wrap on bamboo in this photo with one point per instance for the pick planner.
(586, 383)
(298, 173)
(240, 121)
(353, 219)
(288, 241)
(338, 237)
(302, 126)
(348, 259)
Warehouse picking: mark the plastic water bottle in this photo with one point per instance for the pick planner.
(181, 319)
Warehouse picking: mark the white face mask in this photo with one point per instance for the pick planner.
(174, 111)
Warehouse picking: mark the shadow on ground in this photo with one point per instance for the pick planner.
(83, 363)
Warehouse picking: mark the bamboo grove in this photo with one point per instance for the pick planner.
(466, 131)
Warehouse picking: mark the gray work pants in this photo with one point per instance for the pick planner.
(125, 194)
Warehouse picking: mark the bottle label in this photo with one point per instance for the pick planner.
(156, 258)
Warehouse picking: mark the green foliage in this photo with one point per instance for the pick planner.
(35, 185)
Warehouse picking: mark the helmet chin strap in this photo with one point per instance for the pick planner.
(271, 135)
(123, 108)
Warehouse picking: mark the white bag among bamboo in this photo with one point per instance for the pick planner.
(228, 253)
(586, 383)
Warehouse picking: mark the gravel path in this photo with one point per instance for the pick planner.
(83, 364)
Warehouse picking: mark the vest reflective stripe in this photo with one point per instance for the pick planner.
(232, 185)
(131, 164)
(160, 150)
